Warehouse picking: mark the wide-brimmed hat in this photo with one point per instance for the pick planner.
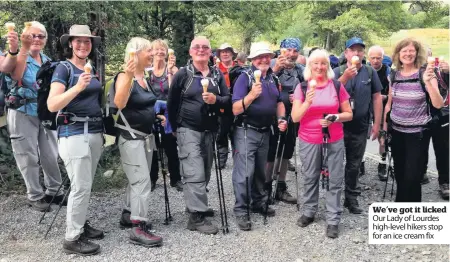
(225, 46)
(79, 31)
(259, 48)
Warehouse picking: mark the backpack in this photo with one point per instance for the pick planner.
(438, 116)
(337, 86)
(43, 81)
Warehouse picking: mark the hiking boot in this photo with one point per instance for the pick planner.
(178, 186)
(81, 246)
(304, 221)
(125, 220)
(382, 172)
(291, 167)
(268, 189)
(443, 190)
(353, 206)
(153, 186)
(332, 231)
(39, 205)
(140, 235)
(362, 169)
(92, 233)
(198, 222)
(283, 195)
(262, 210)
(243, 223)
(57, 200)
(208, 213)
(425, 180)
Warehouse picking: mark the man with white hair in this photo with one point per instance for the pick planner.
(196, 95)
(376, 54)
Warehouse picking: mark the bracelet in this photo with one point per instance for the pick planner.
(243, 104)
(13, 54)
(281, 118)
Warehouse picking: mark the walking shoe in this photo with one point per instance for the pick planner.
(198, 222)
(362, 169)
(353, 206)
(283, 195)
(243, 223)
(178, 185)
(425, 180)
(81, 246)
(208, 213)
(140, 235)
(125, 220)
(304, 221)
(92, 233)
(262, 210)
(57, 200)
(382, 172)
(332, 231)
(291, 167)
(39, 205)
(443, 190)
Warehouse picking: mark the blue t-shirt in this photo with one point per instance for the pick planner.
(262, 111)
(86, 103)
(29, 86)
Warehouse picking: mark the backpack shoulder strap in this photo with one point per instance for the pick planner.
(251, 78)
(369, 70)
(304, 87)
(342, 69)
(337, 86)
(70, 72)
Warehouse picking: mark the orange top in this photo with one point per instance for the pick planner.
(224, 71)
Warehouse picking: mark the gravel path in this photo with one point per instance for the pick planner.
(21, 237)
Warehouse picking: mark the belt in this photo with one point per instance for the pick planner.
(86, 121)
(257, 129)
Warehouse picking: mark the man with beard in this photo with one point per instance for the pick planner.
(290, 74)
(225, 53)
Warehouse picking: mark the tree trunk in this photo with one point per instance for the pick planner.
(183, 32)
(327, 45)
(247, 42)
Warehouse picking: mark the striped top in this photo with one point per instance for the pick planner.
(409, 106)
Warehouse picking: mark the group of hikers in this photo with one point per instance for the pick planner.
(258, 102)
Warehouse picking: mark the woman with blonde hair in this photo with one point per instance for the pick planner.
(135, 99)
(161, 76)
(413, 90)
(321, 104)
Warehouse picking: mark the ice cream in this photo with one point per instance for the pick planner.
(170, 52)
(205, 83)
(132, 53)
(10, 26)
(283, 51)
(355, 60)
(257, 75)
(217, 60)
(312, 84)
(88, 68)
(27, 25)
(430, 60)
(441, 58)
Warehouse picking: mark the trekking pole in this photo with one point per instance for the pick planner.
(296, 173)
(246, 171)
(53, 198)
(57, 211)
(279, 162)
(164, 173)
(389, 168)
(223, 214)
(324, 170)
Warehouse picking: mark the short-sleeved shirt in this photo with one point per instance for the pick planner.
(289, 79)
(86, 103)
(139, 111)
(361, 88)
(262, 111)
(29, 90)
(325, 101)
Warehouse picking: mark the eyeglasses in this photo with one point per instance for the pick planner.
(38, 36)
(200, 47)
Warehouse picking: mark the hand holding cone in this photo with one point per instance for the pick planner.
(257, 75)
(312, 84)
(283, 51)
(88, 68)
(170, 52)
(205, 83)
(355, 60)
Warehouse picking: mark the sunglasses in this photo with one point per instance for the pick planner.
(38, 36)
(198, 47)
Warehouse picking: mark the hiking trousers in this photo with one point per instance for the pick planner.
(195, 150)
(80, 158)
(32, 145)
(311, 159)
(136, 159)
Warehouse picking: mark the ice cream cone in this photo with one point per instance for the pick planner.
(10, 26)
(441, 58)
(283, 51)
(132, 53)
(88, 68)
(355, 60)
(257, 75)
(27, 25)
(312, 84)
(430, 60)
(205, 83)
(170, 52)
(217, 60)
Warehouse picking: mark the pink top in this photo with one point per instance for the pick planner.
(325, 101)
